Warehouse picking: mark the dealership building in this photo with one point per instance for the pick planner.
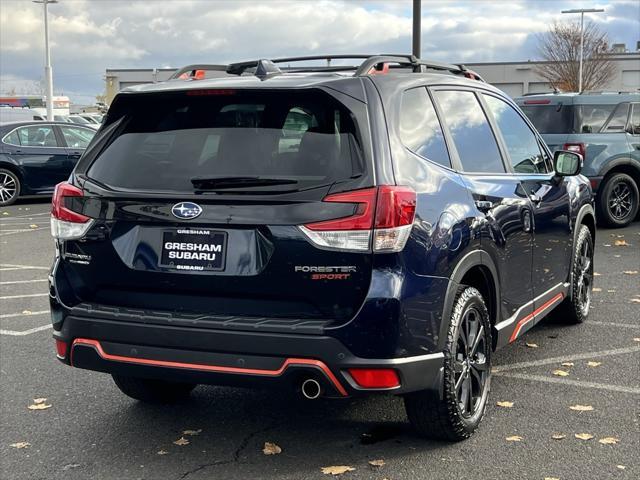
(514, 78)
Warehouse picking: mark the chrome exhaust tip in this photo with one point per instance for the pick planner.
(311, 389)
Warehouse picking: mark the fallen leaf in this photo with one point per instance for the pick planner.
(594, 364)
(33, 225)
(606, 244)
(551, 478)
(560, 373)
(26, 312)
(611, 291)
(514, 438)
(596, 289)
(621, 243)
(376, 463)
(39, 405)
(181, 441)
(163, 452)
(630, 272)
(581, 408)
(20, 445)
(635, 300)
(192, 432)
(5, 213)
(271, 449)
(617, 256)
(620, 467)
(337, 470)
(609, 440)
(583, 436)
(568, 364)
(531, 345)
(505, 404)
(636, 339)
(558, 436)
(596, 274)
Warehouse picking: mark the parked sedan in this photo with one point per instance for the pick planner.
(35, 156)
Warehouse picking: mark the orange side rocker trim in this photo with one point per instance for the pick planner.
(533, 314)
(95, 344)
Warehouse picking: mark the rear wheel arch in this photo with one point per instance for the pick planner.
(627, 166)
(476, 269)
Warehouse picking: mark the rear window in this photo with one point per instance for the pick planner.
(551, 118)
(166, 142)
(570, 118)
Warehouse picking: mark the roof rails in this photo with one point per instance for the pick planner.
(371, 64)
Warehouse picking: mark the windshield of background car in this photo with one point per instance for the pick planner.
(166, 141)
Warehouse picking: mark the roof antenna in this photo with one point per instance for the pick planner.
(266, 68)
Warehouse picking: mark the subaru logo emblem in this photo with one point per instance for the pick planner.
(186, 210)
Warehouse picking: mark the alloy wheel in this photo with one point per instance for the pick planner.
(470, 364)
(620, 201)
(585, 276)
(8, 187)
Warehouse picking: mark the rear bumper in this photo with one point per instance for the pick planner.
(236, 358)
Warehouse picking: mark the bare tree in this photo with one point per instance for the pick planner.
(560, 47)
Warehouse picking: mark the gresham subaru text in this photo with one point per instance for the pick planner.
(343, 230)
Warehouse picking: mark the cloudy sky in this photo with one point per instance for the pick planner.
(88, 36)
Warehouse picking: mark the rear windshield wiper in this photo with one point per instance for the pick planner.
(217, 183)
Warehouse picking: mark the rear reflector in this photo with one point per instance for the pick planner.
(61, 348)
(65, 223)
(375, 377)
(384, 214)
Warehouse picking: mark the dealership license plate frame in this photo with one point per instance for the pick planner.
(203, 235)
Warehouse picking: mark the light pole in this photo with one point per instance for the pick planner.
(582, 11)
(48, 72)
(416, 27)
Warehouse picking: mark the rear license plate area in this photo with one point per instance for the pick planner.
(194, 250)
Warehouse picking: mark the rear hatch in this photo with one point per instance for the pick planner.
(554, 120)
(196, 199)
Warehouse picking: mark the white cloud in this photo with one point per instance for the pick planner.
(89, 36)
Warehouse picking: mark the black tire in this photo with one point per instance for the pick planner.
(153, 391)
(575, 308)
(10, 187)
(452, 417)
(618, 200)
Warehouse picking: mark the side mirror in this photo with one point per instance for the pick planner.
(567, 164)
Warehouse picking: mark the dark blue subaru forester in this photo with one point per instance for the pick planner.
(337, 230)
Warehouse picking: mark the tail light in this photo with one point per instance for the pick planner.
(575, 147)
(65, 223)
(382, 221)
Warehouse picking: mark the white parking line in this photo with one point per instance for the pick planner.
(30, 295)
(22, 314)
(25, 332)
(566, 358)
(574, 383)
(613, 324)
(23, 231)
(18, 282)
(21, 267)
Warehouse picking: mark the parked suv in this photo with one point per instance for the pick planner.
(381, 228)
(605, 130)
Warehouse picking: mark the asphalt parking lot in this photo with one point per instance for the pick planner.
(93, 431)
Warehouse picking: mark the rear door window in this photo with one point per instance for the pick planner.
(470, 131)
(618, 120)
(591, 118)
(37, 136)
(420, 130)
(635, 119)
(522, 144)
(307, 139)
